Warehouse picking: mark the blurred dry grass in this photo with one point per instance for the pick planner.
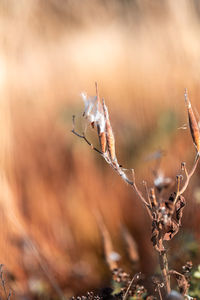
(143, 54)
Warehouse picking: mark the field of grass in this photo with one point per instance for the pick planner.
(143, 54)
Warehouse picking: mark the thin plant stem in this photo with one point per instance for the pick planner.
(159, 293)
(137, 190)
(129, 286)
(189, 175)
(165, 270)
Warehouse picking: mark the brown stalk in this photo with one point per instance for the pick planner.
(147, 193)
(137, 190)
(131, 245)
(135, 278)
(159, 292)
(152, 198)
(107, 242)
(163, 261)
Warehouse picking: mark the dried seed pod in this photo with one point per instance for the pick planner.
(94, 112)
(194, 129)
(101, 129)
(109, 134)
(102, 139)
(110, 140)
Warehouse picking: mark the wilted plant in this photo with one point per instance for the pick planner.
(165, 214)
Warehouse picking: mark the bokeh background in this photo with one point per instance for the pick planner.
(142, 54)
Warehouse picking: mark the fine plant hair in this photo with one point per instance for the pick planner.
(165, 214)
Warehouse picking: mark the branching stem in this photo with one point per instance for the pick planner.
(82, 136)
(188, 176)
(114, 165)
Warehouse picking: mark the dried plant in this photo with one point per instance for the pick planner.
(165, 214)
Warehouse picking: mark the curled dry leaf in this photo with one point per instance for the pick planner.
(156, 236)
(173, 225)
(172, 231)
(179, 209)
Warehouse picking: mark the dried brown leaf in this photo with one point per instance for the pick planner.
(172, 231)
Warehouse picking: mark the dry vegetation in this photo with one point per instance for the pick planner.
(165, 211)
(143, 54)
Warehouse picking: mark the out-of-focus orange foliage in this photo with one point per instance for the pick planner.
(142, 54)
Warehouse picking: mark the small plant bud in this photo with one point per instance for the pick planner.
(183, 165)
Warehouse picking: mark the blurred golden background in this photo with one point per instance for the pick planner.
(142, 54)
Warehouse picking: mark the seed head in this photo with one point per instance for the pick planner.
(95, 115)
